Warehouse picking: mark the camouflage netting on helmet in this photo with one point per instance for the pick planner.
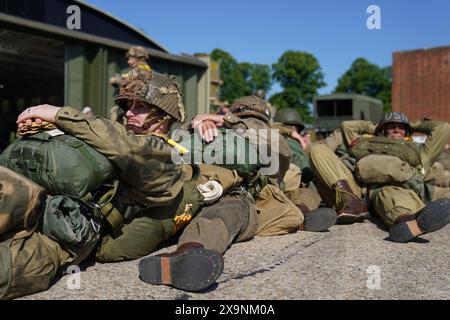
(137, 52)
(153, 89)
(252, 106)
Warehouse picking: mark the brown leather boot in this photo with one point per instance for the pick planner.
(191, 267)
(354, 208)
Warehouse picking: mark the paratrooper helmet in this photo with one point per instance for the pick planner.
(137, 52)
(251, 106)
(153, 89)
(393, 117)
(291, 117)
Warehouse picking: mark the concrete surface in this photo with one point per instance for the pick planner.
(330, 265)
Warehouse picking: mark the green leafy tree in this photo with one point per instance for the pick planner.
(261, 77)
(256, 77)
(240, 79)
(368, 79)
(230, 74)
(245, 69)
(300, 75)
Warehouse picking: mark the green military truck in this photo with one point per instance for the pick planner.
(330, 110)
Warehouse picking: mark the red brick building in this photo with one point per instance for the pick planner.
(421, 83)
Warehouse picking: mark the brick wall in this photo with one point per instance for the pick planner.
(421, 83)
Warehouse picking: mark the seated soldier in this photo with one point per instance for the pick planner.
(392, 168)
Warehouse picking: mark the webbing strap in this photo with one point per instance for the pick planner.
(108, 196)
(104, 205)
(113, 216)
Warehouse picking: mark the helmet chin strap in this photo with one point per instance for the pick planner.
(152, 119)
(162, 122)
(149, 122)
(137, 130)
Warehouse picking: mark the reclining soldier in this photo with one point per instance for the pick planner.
(436, 180)
(277, 214)
(297, 183)
(160, 197)
(392, 168)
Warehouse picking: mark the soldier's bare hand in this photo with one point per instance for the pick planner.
(305, 140)
(217, 119)
(208, 130)
(29, 122)
(114, 79)
(43, 112)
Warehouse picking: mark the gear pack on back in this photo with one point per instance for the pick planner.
(405, 150)
(228, 150)
(61, 163)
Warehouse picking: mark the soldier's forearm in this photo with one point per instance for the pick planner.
(334, 140)
(353, 129)
(438, 133)
(429, 127)
(109, 138)
(94, 131)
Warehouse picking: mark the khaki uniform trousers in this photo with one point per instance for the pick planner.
(231, 219)
(216, 226)
(296, 193)
(329, 169)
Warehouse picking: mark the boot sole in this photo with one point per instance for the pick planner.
(320, 220)
(345, 218)
(433, 217)
(192, 271)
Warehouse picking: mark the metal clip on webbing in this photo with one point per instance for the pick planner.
(111, 214)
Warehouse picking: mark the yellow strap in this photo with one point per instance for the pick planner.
(181, 220)
(144, 67)
(181, 150)
(368, 136)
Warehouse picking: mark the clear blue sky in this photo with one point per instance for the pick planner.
(260, 31)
